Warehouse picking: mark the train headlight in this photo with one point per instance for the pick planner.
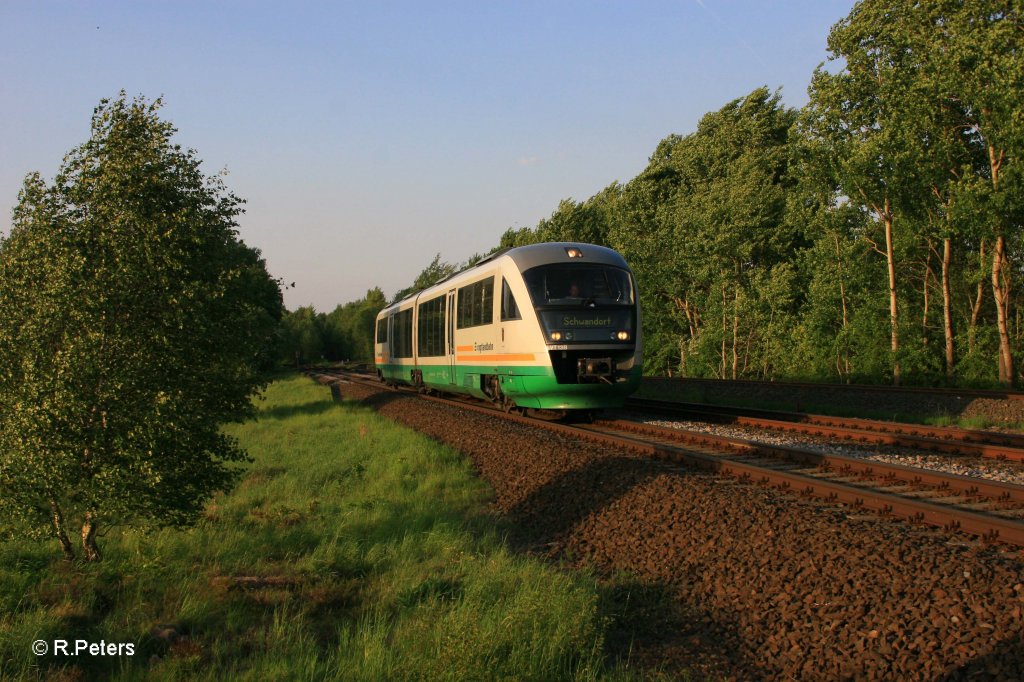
(622, 336)
(556, 336)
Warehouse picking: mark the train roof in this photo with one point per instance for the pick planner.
(532, 255)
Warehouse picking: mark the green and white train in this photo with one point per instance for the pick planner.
(552, 326)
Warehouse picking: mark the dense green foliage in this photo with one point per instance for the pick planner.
(876, 235)
(921, 131)
(346, 333)
(134, 324)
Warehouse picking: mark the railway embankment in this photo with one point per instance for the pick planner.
(757, 583)
(929, 406)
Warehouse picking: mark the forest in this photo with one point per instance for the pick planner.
(875, 235)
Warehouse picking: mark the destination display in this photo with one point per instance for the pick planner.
(577, 321)
(586, 326)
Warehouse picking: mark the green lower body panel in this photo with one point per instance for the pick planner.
(544, 392)
(532, 387)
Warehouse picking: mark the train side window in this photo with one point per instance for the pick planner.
(430, 334)
(401, 343)
(476, 304)
(382, 330)
(509, 309)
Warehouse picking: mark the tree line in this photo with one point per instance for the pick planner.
(346, 333)
(874, 235)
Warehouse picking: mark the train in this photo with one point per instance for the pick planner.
(551, 327)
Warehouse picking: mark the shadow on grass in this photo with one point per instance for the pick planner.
(82, 596)
(313, 407)
(28, 557)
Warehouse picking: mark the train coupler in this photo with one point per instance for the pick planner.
(595, 369)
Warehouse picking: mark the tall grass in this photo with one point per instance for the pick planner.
(351, 550)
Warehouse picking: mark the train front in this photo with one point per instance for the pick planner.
(587, 306)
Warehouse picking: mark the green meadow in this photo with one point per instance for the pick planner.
(352, 549)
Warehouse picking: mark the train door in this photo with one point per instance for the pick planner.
(389, 346)
(450, 333)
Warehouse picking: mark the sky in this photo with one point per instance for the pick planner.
(366, 137)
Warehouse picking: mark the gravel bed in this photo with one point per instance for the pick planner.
(977, 467)
(751, 583)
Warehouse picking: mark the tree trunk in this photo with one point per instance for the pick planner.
(735, 328)
(89, 528)
(57, 517)
(842, 284)
(927, 298)
(1001, 293)
(1000, 281)
(725, 327)
(842, 298)
(890, 259)
(947, 308)
(976, 308)
(691, 321)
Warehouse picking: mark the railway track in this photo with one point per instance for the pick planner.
(943, 439)
(993, 511)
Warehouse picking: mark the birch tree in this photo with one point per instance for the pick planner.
(134, 325)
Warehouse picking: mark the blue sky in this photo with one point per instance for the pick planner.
(368, 136)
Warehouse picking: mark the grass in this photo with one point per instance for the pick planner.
(352, 549)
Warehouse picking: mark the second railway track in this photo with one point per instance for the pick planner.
(994, 511)
(941, 439)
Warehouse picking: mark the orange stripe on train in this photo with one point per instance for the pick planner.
(502, 357)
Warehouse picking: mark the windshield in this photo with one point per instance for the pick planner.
(578, 284)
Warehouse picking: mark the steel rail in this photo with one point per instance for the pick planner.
(990, 528)
(965, 485)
